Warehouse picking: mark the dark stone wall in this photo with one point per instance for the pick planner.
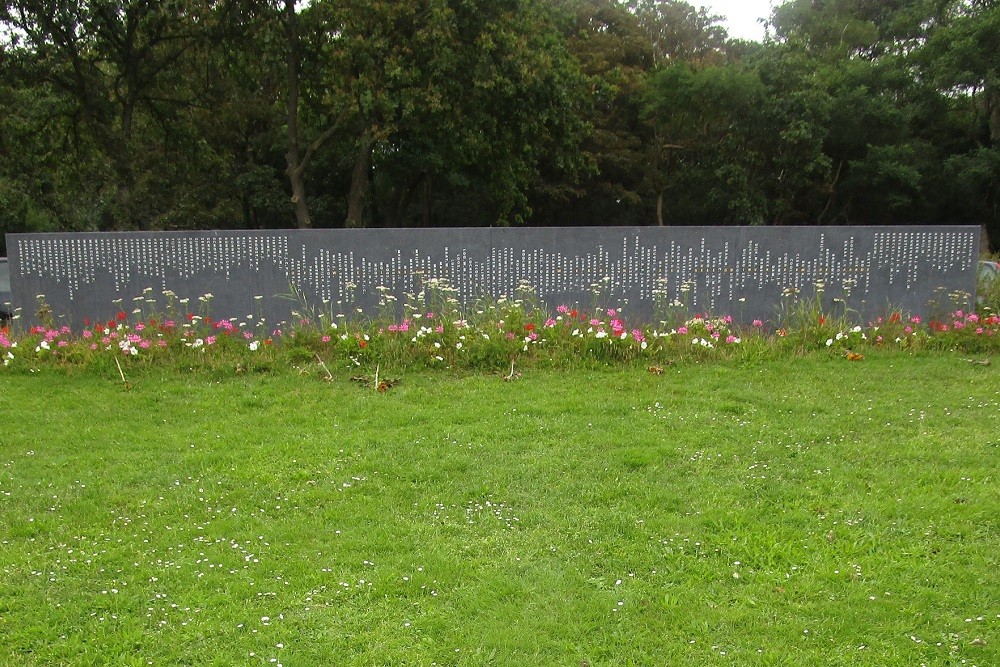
(746, 272)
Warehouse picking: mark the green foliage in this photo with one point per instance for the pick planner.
(123, 115)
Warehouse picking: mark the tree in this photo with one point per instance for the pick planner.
(118, 78)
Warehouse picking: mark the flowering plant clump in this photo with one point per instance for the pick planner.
(432, 329)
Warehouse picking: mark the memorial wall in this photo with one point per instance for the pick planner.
(747, 272)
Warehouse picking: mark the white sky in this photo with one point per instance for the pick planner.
(741, 15)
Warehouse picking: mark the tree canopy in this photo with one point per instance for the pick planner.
(177, 114)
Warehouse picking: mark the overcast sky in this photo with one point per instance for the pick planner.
(741, 15)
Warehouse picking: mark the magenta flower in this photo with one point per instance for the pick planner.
(637, 336)
(612, 312)
(682, 330)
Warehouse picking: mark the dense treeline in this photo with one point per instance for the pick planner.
(178, 114)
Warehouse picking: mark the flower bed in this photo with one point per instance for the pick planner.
(433, 331)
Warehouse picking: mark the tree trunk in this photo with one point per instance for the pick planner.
(427, 199)
(292, 157)
(359, 182)
(659, 208)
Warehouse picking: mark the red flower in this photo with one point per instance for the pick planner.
(190, 317)
(822, 320)
(111, 324)
(86, 321)
(121, 316)
(894, 318)
(268, 341)
(362, 344)
(529, 327)
(573, 313)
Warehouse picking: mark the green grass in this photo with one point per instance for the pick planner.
(799, 511)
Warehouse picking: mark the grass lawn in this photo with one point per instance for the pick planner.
(803, 511)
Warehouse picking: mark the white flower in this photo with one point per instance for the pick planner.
(829, 342)
(254, 345)
(643, 345)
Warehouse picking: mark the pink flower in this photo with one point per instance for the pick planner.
(63, 343)
(612, 312)
(637, 336)
(247, 335)
(915, 319)
(325, 339)
(907, 329)
(758, 323)
(562, 310)
(979, 330)
(93, 346)
(393, 328)
(439, 329)
(595, 322)
(139, 326)
(549, 323)
(430, 316)
(510, 335)
(144, 344)
(161, 343)
(87, 333)
(732, 339)
(728, 319)
(972, 317)
(210, 340)
(533, 336)
(682, 330)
